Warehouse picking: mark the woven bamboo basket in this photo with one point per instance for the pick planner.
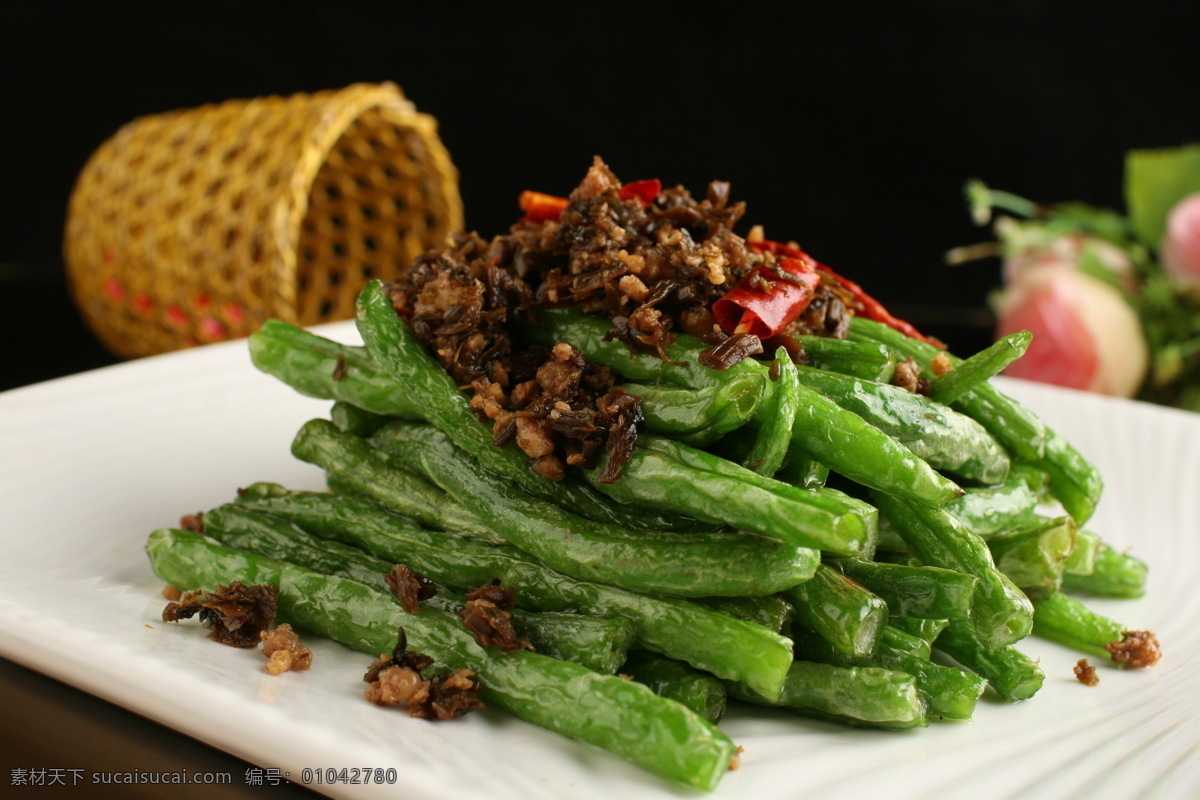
(197, 225)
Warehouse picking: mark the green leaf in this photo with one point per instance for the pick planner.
(1155, 180)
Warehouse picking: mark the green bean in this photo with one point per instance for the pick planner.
(1000, 613)
(864, 696)
(949, 693)
(985, 510)
(1063, 619)
(979, 368)
(856, 449)
(676, 681)
(929, 592)
(662, 473)
(844, 613)
(1012, 674)
(772, 612)
(599, 643)
(802, 471)
(994, 509)
(352, 419)
(924, 629)
(707, 639)
(1034, 558)
(397, 351)
(774, 435)
(866, 360)
(686, 565)
(700, 416)
(240, 526)
(1082, 560)
(321, 368)
(1113, 574)
(1013, 425)
(944, 438)
(1074, 482)
(621, 716)
(350, 463)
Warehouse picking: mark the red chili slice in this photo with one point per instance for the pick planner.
(764, 312)
(646, 191)
(871, 308)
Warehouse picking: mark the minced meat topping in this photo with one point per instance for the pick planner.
(284, 651)
(1136, 649)
(652, 267)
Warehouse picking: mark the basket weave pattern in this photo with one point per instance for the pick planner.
(197, 225)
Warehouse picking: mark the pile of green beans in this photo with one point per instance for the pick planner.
(795, 535)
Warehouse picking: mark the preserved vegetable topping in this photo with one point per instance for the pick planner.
(488, 616)
(409, 588)
(396, 680)
(235, 615)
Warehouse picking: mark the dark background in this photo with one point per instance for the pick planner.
(848, 128)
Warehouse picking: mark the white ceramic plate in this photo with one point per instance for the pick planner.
(92, 463)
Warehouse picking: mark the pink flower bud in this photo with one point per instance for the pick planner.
(1180, 247)
(1085, 336)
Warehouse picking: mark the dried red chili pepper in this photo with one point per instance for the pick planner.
(539, 207)
(764, 304)
(870, 307)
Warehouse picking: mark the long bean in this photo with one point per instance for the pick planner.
(1012, 674)
(676, 681)
(841, 611)
(942, 437)
(774, 435)
(1011, 423)
(927, 592)
(949, 693)
(662, 473)
(701, 416)
(979, 368)
(709, 640)
(1000, 613)
(1113, 574)
(350, 462)
(864, 696)
(1035, 558)
(686, 565)
(621, 716)
(328, 370)
(598, 643)
(1069, 622)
